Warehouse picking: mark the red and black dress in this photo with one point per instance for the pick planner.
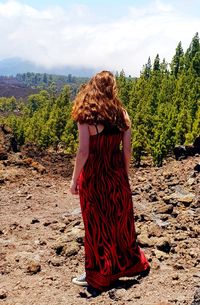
(111, 250)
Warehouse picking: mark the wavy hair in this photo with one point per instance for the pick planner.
(97, 102)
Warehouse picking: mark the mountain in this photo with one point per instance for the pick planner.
(12, 66)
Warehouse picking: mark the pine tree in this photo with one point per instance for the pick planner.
(147, 69)
(183, 126)
(191, 51)
(156, 65)
(177, 61)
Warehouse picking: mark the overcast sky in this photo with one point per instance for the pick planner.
(106, 34)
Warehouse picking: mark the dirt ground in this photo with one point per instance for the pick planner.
(42, 235)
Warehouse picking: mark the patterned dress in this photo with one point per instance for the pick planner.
(111, 250)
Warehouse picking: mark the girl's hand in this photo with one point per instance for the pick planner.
(74, 187)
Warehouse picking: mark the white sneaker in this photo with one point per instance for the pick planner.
(80, 280)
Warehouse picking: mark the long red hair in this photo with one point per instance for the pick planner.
(97, 102)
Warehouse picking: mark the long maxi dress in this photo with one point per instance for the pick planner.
(111, 249)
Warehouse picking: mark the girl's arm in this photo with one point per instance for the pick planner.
(126, 141)
(81, 156)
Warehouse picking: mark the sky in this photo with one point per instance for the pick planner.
(106, 34)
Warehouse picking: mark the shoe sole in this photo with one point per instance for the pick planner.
(78, 283)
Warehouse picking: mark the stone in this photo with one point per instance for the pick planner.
(160, 255)
(34, 220)
(196, 300)
(197, 167)
(35, 165)
(181, 236)
(185, 198)
(56, 262)
(168, 175)
(33, 267)
(163, 244)
(154, 230)
(3, 294)
(175, 277)
(66, 246)
(7, 142)
(191, 181)
(178, 266)
(144, 240)
(70, 249)
(164, 209)
(116, 294)
(155, 264)
(147, 187)
(153, 197)
(3, 154)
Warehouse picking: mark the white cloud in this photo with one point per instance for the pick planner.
(58, 36)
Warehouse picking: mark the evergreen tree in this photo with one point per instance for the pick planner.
(191, 51)
(147, 69)
(156, 65)
(177, 61)
(183, 126)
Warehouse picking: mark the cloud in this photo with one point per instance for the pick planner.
(76, 36)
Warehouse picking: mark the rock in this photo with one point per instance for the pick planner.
(136, 191)
(141, 179)
(178, 266)
(70, 249)
(75, 234)
(34, 220)
(154, 230)
(155, 264)
(160, 255)
(168, 175)
(66, 246)
(116, 294)
(181, 236)
(3, 294)
(163, 244)
(153, 197)
(191, 181)
(185, 198)
(34, 164)
(2, 180)
(33, 267)
(164, 208)
(7, 142)
(144, 240)
(3, 154)
(147, 187)
(175, 277)
(196, 300)
(195, 228)
(197, 167)
(56, 262)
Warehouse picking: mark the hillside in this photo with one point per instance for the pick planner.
(23, 85)
(41, 231)
(10, 86)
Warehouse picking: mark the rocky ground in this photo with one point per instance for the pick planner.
(41, 233)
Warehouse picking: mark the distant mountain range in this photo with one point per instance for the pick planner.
(12, 66)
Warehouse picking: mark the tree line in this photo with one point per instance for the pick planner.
(45, 79)
(163, 104)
